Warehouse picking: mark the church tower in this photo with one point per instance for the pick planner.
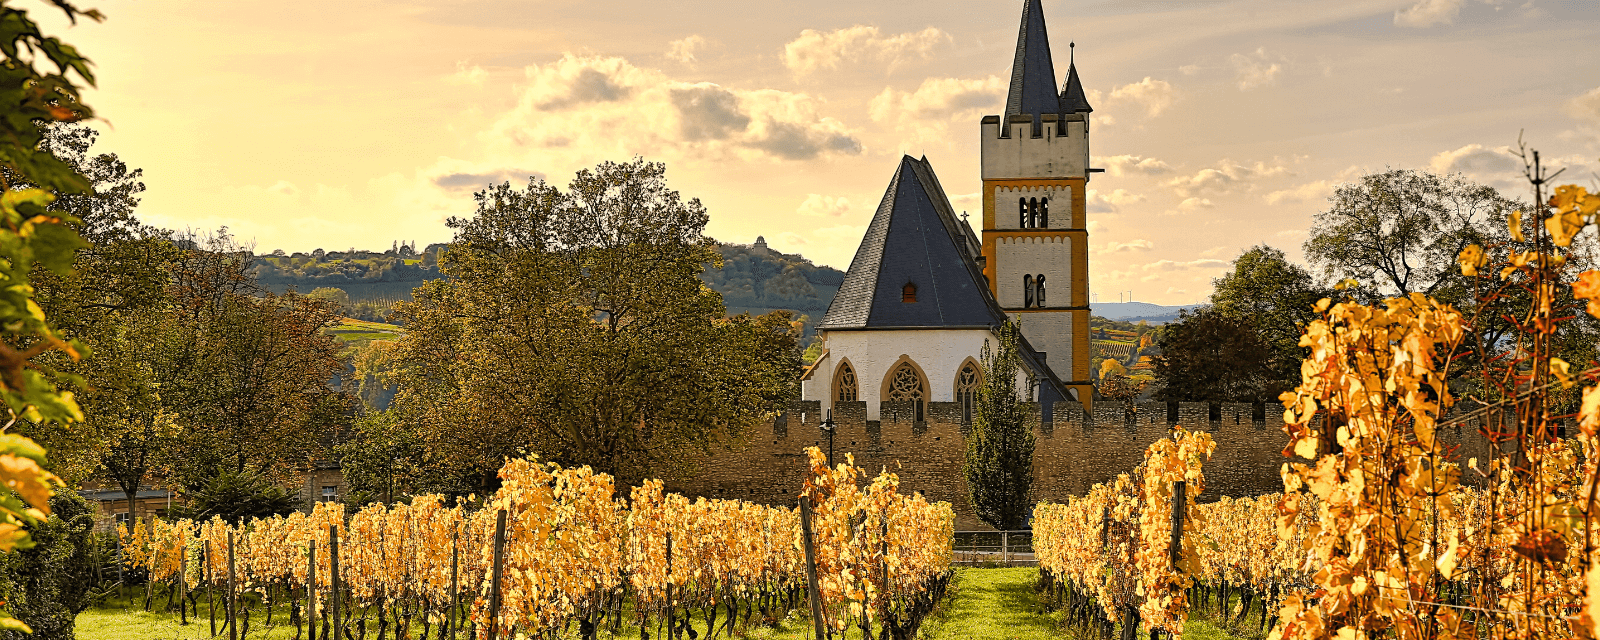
(1035, 173)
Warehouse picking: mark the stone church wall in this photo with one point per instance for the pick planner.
(1073, 453)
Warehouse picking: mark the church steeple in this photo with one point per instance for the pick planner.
(1033, 75)
(1072, 98)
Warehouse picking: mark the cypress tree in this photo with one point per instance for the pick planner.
(999, 460)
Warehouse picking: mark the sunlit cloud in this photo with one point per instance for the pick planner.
(1228, 176)
(1124, 165)
(1154, 96)
(684, 50)
(814, 50)
(1427, 13)
(1257, 69)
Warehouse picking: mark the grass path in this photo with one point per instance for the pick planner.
(983, 603)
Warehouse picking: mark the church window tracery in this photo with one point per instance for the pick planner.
(848, 389)
(905, 383)
(968, 379)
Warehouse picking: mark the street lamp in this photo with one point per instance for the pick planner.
(827, 427)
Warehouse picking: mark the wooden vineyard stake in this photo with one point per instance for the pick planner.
(337, 628)
(672, 626)
(183, 584)
(813, 590)
(211, 601)
(1180, 501)
(233, 615)
(311, 589)
(449, 630)
(499, 571)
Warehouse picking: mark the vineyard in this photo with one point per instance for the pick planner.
(555, 549)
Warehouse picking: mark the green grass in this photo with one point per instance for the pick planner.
(995, 603)
(351, 331)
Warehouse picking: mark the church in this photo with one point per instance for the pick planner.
(925, 290)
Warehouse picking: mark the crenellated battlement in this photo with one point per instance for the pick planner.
(1058, 148)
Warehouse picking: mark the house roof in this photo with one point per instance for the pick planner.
(1072, 98)
(1033, 75)
(914, 238)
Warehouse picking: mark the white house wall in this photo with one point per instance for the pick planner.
(939, 352)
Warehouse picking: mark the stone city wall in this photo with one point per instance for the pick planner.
(1073, 453)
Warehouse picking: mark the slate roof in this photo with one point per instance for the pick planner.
(914, 238)
(1072, 98)
(1033, 75)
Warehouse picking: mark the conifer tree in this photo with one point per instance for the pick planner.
(999, 461)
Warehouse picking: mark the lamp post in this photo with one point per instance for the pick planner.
(827, 427)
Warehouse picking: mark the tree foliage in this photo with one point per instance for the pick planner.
(48, 585)
(1208, 356)
(999, 456)
(574, 325)
(1275, 297)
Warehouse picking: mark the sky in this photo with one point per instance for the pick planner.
(1222, 124)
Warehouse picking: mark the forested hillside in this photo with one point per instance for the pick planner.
(754, 280)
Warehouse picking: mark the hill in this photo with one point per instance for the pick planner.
(1136, 311)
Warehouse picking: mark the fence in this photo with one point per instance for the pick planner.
(1010, 548)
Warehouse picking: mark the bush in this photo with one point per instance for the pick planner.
(47, 585)
(237, 496)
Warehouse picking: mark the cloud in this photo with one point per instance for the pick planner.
(1110, 202)
(284, 188)
(474, 180)
(1190, 205)
(576, 111)
(815, 50)
(1256, 69)
(1427, 13)
(1225, 178)
(683, 50)
(817, 204)
(1166, 266)
(938, 98)
(1131, 245)
(1308, 192)
(1476, 160)
(468, 74)
(1154, 95)
(1175, 290)
(1130, 164)
(1585, 107)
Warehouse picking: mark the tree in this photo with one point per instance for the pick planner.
(1208, 356)
(1400, 231)
(49, 584)
(999, 457)
(31, 234)
(338, 299)
(573, 324)
(1276, 297)
(236, 497)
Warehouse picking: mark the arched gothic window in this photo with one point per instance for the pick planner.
(967, 382)
(908, 293)
(1027, 291)
(1022, 212)
(1033, 213)
(845, 383)
(1038, 286)
(905, 383)
(1044, 213)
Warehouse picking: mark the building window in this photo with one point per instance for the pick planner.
(967, 382)
(120, 518)
(1038, 287)
(906, 384)
(908, 293)
(1044, 213)
(330, 493)
(1033, 213)
(848, 390)
(1027, 291)
(1022, 212)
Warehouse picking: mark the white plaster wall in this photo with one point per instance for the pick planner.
(1051, 332)
(1016, 257)
(817, 386)
(939, 352)
(1023, 156)
(1007, 215)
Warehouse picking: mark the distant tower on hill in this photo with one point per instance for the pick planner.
(761, 244)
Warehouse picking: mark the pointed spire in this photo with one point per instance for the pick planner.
(1072, 98)
(1033, 75)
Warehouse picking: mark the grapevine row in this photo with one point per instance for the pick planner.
(574, 553)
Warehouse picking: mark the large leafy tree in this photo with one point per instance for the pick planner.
(1209, 356)
(1277, 298)
(999, 456)
(573, 324)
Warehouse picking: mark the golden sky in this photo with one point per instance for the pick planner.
(1222, 124)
